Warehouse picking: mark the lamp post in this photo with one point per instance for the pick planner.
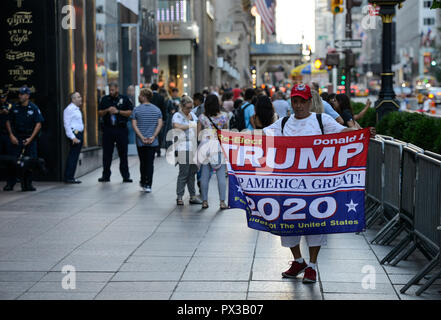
(387, 100)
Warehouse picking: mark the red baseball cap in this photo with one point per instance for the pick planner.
(301, 90)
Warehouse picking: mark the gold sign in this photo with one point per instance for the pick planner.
(19, 36)
(20, 73)
(21, 17)
(26, 56)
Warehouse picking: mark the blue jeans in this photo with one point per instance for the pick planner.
(206, 171)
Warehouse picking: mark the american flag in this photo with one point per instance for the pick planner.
(267, 11)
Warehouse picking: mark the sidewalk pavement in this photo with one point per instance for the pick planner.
(125, 244)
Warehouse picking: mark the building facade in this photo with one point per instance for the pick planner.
(63, 46)
(233, 38)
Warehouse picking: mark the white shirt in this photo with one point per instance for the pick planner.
(304, 127)
(187, 143)
(281, 107)
(73, 120)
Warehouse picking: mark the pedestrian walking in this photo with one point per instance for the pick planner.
(304, 123)
(74, 128)
(115, 110)
(169, 107)
(158, 100)
(213, 119)
(265, 113)
(147, 123)
(281, 106)
(24, 124)
(186, 121)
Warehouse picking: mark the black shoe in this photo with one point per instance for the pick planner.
(8, 188)
(28, 188)
(127, 180)
(73, 181)
(102, 179)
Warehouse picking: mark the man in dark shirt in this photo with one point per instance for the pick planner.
(159, 101)
(23, 126)
(115, 111)
(5, 108)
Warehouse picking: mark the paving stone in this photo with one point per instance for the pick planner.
(146, 276)
(80, 286)
(211, 286)
(208, 296)
(353, 287)
(156, 286)
(58, 296)
(134, 296)
(14, 276)
(284, 296)
(80, 277)
(360, 296)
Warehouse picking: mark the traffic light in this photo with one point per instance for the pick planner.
(318, 64)
(343, 80)
(336, 6)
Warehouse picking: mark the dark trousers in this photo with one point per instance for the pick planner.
(72, 158)
(29, 151)
(120, 137)
(5, 145)
(147, 160)
(5, 150)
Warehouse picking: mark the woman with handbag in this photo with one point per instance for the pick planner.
(213, 119)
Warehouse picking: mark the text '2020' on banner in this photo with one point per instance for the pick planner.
(291, 186)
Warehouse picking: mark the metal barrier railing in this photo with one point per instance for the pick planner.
(410, 183)
(407, 205)
(391, 192)
(427, 216)
(374, 181)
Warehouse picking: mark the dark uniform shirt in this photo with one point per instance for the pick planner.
(4, 117)
(122, 103)
(24, 119)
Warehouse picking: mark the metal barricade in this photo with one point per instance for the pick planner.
(427, 216)
(391, 192)
(406, 212)
(433, 155)
(374, 181)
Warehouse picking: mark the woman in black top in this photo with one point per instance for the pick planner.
(265, 114)
(342, 104)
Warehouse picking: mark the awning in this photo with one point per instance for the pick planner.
(305, 69)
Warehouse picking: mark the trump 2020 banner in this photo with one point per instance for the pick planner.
(291, 186)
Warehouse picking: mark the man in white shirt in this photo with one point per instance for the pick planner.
(304, 123)
(281, 106)
(74, 127)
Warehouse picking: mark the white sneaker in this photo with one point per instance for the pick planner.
(148, 190)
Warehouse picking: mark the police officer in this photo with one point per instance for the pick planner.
(5, 108)
(23, 126)
(115, 111)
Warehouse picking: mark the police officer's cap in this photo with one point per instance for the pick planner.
(24, 90)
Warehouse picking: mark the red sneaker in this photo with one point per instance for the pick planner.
(310, 276)
(295, 270)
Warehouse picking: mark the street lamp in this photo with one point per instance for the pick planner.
(387, 100)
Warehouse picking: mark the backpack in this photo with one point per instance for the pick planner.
(319, 119)
(238, 119)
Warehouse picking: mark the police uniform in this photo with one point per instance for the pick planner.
(5, 143)
(115, 131)
(23, 121)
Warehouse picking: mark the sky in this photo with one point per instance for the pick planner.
(294, 17)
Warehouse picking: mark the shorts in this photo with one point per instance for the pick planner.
(316, 240)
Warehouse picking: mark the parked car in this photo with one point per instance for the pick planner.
(435, 94)
(403, 90)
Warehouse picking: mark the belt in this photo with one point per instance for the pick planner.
(75, 132)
